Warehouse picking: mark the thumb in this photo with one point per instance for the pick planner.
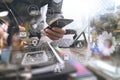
(21, 28)
(43, 31)
(1, 32)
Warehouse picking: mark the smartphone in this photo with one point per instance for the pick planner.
(60, 23)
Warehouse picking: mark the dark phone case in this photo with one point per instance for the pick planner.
(61, 23)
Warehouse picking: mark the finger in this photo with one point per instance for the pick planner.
(4, 27)
(21, 28)
(58, 30)
(1, 31)
(53, 37)
(5, 35)
(53, 20)
(52, 33)
(43, 31)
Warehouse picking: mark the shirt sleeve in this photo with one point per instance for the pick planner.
(8, 1)
(54, 10)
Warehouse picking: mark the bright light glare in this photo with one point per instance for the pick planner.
(79, 10)
(3, 13)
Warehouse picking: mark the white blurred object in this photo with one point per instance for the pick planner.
(3, 13)
(106, 67)
(105, 46)
(66, 57)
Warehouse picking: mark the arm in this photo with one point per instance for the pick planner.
(54, 10)
(6, 1)
(54, 13)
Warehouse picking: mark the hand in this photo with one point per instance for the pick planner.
(3, 30)
(21, 28)
(3, 34)
(55, 33)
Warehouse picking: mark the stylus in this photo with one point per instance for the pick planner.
(56, 54)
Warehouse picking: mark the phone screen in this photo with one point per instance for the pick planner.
(60, 23)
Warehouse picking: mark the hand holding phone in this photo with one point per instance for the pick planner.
(60, 23)
(57, 32)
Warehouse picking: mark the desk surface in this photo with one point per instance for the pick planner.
(66, 71)
(82, 55)
(104, 69)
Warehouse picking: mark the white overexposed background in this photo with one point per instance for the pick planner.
(82, 10)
